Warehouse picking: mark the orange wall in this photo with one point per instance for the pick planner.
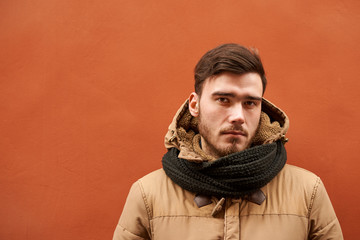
(88, 89)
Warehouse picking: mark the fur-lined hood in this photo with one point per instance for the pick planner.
(183, 132)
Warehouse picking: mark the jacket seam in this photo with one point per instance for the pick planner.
(145, 200)
(148, 211)
(268, 214)
(273, 214)
(225, 222)
(313, 195)
(170, 216)
(124, 229)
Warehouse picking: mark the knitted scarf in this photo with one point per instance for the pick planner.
(235, 175)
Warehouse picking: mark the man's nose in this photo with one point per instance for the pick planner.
(237, 114)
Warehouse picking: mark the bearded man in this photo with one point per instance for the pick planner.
(225, 174)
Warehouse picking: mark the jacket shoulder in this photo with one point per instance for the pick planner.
(293, 185)
(164, 197)
(137, 213)
(299, 172)
(156, 175)
(297, 178)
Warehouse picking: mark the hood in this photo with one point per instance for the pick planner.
(183, 133)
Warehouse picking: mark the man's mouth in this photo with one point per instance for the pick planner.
(234, 132)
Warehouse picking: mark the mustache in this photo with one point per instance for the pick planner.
(238, 128)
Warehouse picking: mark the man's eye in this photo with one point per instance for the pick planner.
(223, 100)
(250, 103)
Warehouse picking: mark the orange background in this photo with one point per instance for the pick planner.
(88, 89)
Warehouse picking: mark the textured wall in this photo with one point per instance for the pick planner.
(88, 88)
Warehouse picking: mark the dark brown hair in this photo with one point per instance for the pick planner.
(229, 57)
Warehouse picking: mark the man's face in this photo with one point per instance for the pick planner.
(229, 112)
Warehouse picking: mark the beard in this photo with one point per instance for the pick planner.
(213, 147)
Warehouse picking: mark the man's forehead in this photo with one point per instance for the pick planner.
(231, 83)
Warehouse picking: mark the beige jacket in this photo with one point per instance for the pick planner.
(296, 204)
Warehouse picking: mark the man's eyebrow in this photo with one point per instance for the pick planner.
(253, 98)
(224, 94)
(229, 94)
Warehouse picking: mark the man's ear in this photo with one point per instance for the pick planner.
(194, 104)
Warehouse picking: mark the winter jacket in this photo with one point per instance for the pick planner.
(294, 205)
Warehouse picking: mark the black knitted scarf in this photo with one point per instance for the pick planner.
(235, 175)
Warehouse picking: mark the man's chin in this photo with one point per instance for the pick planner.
(230, 150)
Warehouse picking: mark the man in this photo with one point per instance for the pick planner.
(224, 175)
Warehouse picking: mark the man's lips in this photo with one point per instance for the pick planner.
(234, 132)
